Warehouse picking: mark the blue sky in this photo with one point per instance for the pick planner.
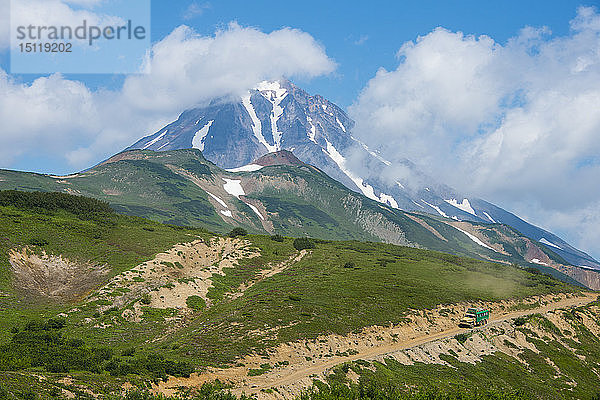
(383, 27)
(361, 38)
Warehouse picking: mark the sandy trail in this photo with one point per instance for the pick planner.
(254, 386)
(373, 343)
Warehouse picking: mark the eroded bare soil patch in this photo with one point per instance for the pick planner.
(53, 276)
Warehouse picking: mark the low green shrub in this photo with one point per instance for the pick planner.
(196, 303)
(277, 238)
(235, 232)
(303, 243)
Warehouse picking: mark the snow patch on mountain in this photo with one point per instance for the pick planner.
(200, 136)
(364, 187)
(419, 205)
(539, 262)
(490, 218)
(436, 208)
(313, 130)
(543, 240)
(475, 239)
(464, 205)
(256, 124)
(273, 92)
(246, 168)
(150, 143)
(233, 187)
(255, 210)
(218, 199)
(340, 124)
(384, 198)
(227, 213)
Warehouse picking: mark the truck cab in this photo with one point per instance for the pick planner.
(474, 317)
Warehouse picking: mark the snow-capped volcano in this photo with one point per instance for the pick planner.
(278, 115)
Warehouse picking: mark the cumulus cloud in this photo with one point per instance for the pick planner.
(195, 10)
(54, 115)
(513, 121)
(186, 68)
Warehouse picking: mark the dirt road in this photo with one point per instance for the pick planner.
(372, 343)
(254, 386)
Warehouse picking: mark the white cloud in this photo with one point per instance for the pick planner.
(57, 116)
(84, 3)
(507, 122)
(361, 40)
(187, 69)
(195, 9)
(42, 115)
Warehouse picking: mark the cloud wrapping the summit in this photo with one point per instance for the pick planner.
(57, 116)
(186, 69)
(519, 120)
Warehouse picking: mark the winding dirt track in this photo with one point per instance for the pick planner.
(253, 386)
(295, 377)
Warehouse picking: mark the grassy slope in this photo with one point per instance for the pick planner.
(120, 241)
(319, 295)
(306, 201)
(393, 279)
(315, 296)
(577, 355)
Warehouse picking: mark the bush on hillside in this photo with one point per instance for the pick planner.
(303, 243)
(235, 232)
(42, 345)
(196, 302)
(53, 201)
(277, 238)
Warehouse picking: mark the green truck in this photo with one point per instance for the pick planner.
(474, 317)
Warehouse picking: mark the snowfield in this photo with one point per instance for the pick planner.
(475, 239)
(255, 210)
(543, 240)
(464, 205)
(246, 168)
(218, 199)
(233, 187)
(436, 208)
(364, 187)
(150, 143)
(200, 136)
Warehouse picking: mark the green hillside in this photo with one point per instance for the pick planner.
(258, 283)
(183, 188)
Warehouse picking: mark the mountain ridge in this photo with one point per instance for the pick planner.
(181, 187)
(281, 116)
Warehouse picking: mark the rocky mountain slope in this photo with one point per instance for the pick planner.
(280, 116)
(285, 197)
